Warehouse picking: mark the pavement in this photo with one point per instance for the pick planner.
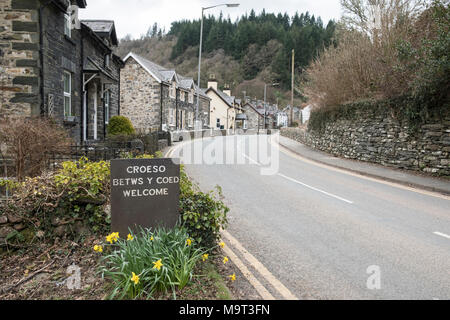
(441, 185)
(314, 231)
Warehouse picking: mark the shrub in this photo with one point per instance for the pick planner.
(140, 255)
(31, 143)
(120, 125)
(76, 192)
(203, 214)
(407, 55)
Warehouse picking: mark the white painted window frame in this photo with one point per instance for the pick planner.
(171, 117)
(67, 94)
(173, 91)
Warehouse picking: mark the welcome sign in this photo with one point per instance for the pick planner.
(144, 193)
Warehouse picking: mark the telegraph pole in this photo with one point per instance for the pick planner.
(292, 87)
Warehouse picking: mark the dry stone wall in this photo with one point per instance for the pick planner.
(384, 140)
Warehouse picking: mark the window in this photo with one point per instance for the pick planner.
(107, 98)
(173, 91)
(191, 97)
(218, 123)
(67, 29)
(107, 60)
(171, 117)
(67, 94)
(191, 119)
(181, 96)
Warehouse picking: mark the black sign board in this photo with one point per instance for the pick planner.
(144, 193)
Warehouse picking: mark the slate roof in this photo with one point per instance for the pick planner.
(186, 83)
(91, 66)
(226, 98)
(104, 28)
(162, 74)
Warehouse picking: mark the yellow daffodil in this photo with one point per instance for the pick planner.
(113, 237)
(130, 237)
(134, 278)
(157, 265)
(188, 242)
(222, 244)
(205, 257)
(232, 277)
(225, 260)
(98, 248)
(151, 238)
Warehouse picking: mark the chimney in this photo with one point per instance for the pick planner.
(212, 82)
(227, 90)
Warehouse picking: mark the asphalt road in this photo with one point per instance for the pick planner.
(325, 233)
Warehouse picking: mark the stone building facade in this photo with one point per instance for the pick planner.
(157, 99)
(101, 78)
(45, 63)
(255, 119)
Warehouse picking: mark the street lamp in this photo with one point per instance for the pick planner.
(229, 5)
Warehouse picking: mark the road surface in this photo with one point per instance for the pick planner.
(329, 234)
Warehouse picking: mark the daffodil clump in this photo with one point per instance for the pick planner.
(112, 238)
(148, 262)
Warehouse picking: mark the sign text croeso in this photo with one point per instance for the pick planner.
(145, 193)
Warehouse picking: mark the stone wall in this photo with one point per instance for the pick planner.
(9, 225)
(140, 97)
(383, 139)
(254, 119)
(61, 54)
(19, 58)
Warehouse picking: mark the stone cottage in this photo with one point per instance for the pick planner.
(254, 118)
(158, 99)
(52, 67)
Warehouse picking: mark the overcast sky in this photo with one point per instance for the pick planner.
(136, 16)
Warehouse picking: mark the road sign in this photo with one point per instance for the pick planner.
(144, 193)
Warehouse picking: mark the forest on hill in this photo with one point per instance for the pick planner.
(243, 54)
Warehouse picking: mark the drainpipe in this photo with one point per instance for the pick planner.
(82, 90)
(161, 109)
(118, 94)
(176, 109)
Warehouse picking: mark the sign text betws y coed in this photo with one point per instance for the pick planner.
(144, 192)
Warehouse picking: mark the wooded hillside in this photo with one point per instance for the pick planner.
(243, 54)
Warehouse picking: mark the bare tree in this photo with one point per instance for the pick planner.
(380, 16)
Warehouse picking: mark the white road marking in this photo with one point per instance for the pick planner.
(251, 160)
(303, 184)
(358, 175)
(442, 234)
(315, 189)
(282, 290)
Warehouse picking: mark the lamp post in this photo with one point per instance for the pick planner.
(229, 5)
